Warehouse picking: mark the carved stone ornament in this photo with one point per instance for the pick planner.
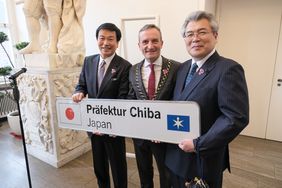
(35, 113)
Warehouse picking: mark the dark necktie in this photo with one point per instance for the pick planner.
(191, 73)
(101, 72)
(151, 82)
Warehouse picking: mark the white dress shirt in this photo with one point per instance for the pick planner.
(201, 62)
(107, 60)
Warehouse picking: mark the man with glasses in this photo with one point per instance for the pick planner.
(218, 85)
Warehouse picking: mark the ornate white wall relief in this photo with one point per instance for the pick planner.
(35, 114)
(68, 139)
(64, 84)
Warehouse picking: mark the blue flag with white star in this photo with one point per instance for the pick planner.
(178, 123)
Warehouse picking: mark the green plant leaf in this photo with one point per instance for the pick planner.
(21, 45)
(3, 37)
(4, 71)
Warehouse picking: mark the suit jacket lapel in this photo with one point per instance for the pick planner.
(139, 82)
(94, 67)
(165, 70)
(199, 75)
(180, 82)
(108, 75)
(166, 65)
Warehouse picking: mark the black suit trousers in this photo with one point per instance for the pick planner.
(112, 149)
(144, 152)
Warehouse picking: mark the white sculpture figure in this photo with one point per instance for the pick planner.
(71, 37)
(64, 19)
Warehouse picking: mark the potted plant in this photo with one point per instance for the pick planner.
(3, 38)
(6, 70)
(20, 58)
(13, 117)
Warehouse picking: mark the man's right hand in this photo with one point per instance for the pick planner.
(77, 97)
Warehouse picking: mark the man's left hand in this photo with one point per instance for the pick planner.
(187, 145)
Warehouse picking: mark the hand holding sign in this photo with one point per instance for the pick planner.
(164, 121)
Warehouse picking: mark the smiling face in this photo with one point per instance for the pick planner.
(200, 40)
(107, 43)
(150, 44)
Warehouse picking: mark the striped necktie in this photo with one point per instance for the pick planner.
(191, 73)
(101, 72)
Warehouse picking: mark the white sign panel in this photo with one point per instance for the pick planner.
(166, 121)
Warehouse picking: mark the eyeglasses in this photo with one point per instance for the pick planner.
(199, 34)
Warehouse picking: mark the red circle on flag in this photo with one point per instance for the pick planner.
(69, 113)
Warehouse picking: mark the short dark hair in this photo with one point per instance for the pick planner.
(110, 27)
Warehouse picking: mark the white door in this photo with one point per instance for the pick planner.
(274, 124)
(249, 33)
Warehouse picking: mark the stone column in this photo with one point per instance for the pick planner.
(49, 76)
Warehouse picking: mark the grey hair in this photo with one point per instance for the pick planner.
(198, 15)
(150, 26)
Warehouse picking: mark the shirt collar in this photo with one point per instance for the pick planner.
(202, 61)
(157, 62)
(107, 60)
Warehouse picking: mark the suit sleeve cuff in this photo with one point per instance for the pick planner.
(195, 142)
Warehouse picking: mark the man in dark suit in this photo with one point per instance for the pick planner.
(105, 75)
(220, 89)
(151, 79)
